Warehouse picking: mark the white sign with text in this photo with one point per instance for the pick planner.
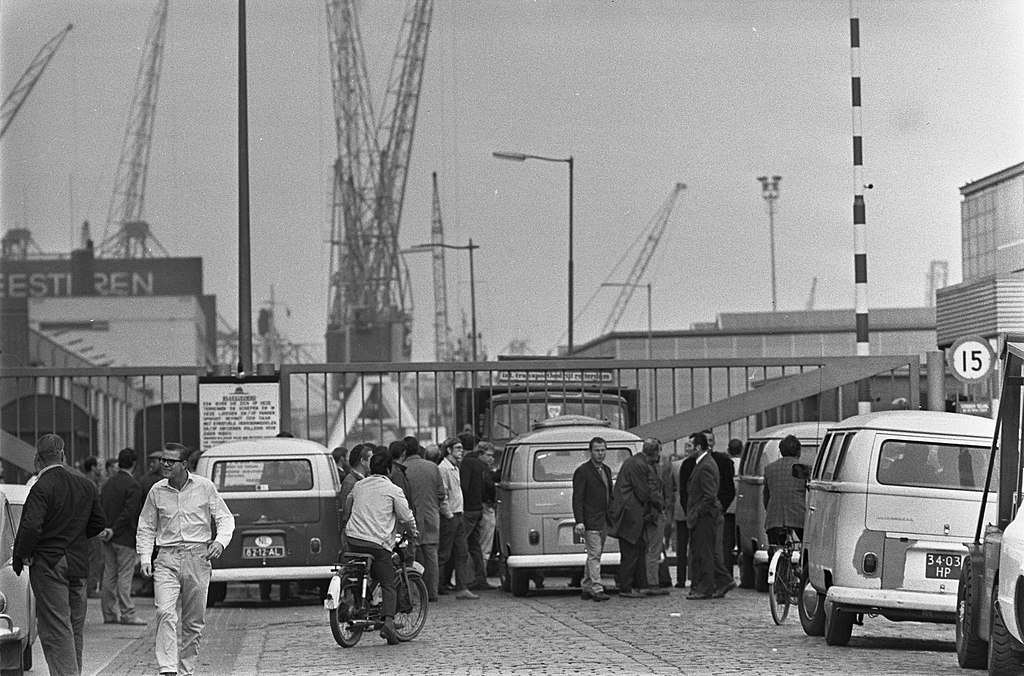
(231, 411)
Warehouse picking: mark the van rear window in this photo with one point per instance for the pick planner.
(559, 465)
(913, 463)
(242, 476)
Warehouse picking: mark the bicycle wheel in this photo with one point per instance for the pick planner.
(779, 594)
(344, 634)
(411, 614)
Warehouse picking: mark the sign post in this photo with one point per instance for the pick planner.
(971, 359)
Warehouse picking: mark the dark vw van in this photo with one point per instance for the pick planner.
(284, 495)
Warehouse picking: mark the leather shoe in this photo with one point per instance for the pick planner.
(600, 596)
(482, 586)
(466, 595)
(698, 597)
(656, 591)
(134, 621)
(680, 585)
(721, 592)
(388, 632)
(586, 596)
(631, 594)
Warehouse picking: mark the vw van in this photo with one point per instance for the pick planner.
(284, 495)
(535, 524)
(762, 449)
(17, 603)
(893, 496)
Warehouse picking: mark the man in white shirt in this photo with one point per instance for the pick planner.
(452, 547)
(377, 504)
(176, 518)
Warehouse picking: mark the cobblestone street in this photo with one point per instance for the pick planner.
(549, 632)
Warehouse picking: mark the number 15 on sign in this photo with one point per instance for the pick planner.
(971, 359)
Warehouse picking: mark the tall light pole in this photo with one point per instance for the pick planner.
(522, 157)
(472, 278)
(770, 193)
(650, 315)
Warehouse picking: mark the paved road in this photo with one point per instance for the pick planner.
(548, 632)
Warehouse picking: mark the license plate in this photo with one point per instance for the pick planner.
(942, 566)
(263, 552)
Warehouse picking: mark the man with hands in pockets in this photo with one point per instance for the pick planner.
(176, 518)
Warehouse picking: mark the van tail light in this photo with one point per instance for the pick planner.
(870, 563)
(534, 537)
(315, 545)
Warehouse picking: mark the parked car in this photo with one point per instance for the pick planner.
(893, 497)
(284, 495)
(17, 604)
(534, 497)
(762, 449)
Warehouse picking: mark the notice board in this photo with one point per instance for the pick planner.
(231, 409)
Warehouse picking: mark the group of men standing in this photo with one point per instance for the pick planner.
(64, 509)
(636, 509)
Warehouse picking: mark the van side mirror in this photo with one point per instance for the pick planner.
(802, 472)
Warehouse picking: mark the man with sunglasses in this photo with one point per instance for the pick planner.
(176, 518)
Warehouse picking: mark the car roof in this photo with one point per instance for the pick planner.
(267, 446)
(800, 430)
(572, 428)
(16, 493)
(934, 422)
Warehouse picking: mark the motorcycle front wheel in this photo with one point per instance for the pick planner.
(343, 632)
(412, 607)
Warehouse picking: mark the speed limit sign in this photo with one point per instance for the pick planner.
(971, 359)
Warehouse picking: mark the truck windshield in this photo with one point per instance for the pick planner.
(241, 476)
(509, 418)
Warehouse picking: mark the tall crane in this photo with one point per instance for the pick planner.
(655, 229)
(23, 87)
(132, 237)
(442, 329)
(369, 306)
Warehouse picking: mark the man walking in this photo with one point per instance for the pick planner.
(176, 517)
(430, 502)
(62, 510)
(120, 499)
(591, 507)
(704, 517)
(636, 503)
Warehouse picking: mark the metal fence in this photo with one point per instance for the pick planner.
(100, 410)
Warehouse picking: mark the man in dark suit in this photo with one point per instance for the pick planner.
(61, 511)
(704, 517)
(726, 494)
(591, 507)
(636, 504)
(121, 500)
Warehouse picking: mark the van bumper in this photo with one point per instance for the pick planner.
(558, 560)
(894, 603)
(275, 573)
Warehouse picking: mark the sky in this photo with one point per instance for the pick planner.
(642, 94)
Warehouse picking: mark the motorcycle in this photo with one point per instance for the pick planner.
(354, 598)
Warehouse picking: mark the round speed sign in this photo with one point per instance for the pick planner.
(971, 359)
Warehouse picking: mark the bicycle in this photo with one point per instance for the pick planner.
(785, 577)
(354, 598)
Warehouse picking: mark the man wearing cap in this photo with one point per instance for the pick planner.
(176, 518)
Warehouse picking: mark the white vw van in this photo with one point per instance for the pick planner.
(893, 497)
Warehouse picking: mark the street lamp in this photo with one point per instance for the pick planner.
(650, 324)
(770, 193)
(522, 157)
(472, 277)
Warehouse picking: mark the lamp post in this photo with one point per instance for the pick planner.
(650, 323)
(522, 157)
(472, 278)
(770, 193)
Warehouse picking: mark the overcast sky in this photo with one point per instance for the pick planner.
(642, 94)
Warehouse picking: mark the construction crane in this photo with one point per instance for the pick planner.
(131, 237)
(442, 329)
(23, 87)
(369, 307)
(651, 236)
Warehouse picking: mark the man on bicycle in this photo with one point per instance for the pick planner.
(377, 505)
(784, 494)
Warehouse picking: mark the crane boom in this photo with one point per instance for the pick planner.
(132, 237)
(369, 300)
(442, 329)
(23, 87)
(655, 230)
